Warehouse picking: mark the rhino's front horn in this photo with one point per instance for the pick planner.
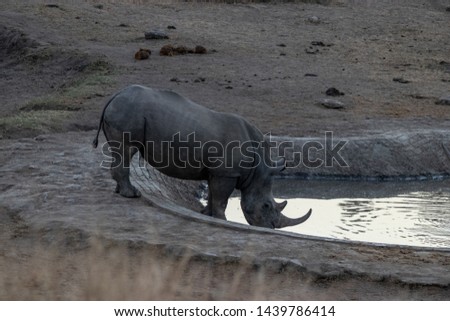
(285, 221)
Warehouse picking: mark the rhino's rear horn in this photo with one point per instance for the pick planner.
(281, 206)
(285, 221)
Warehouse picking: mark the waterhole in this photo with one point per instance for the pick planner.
(405, 213)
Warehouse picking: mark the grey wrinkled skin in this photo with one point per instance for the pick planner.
(155, 116)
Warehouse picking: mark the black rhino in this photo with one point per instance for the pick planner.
(185, 140)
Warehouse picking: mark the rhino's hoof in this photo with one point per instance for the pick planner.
(130, 193)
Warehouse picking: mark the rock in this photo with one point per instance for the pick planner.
(313, 19)
(401, 80)
(332, 103)
(41, 138)
(200, 79)
(98, 6)
(311, 50)
(156, 34)
(321, 44)
(334, 92)
(178, 80)
(142, 54)
(123, 25)
(171, 27)
(418, 96)
(444, 100)
(310, 75)
(52, 5)
(200, 50)
(281, 45)
(318, 43)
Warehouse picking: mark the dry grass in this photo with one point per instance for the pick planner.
(116, 272)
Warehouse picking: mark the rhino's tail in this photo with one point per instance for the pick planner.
(100, 125)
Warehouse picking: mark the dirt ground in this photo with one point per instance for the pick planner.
(269, 62)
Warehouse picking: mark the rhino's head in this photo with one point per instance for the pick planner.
(258, 204)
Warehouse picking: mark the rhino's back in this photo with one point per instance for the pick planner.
(160, 109)
(165, 113)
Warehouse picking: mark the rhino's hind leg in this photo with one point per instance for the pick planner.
(120, 171)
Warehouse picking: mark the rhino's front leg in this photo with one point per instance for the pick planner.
(220, 189)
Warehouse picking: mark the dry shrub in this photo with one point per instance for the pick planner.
(167, 50)
(142, 54)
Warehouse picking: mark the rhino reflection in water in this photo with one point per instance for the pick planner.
(138, 117)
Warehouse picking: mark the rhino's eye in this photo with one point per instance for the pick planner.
(266, 205)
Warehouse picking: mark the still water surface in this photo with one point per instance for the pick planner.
(407, 213)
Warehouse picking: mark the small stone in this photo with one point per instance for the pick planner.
(41, 138)
(310, 75)
(281, 45)
(200, 79)
(200, 50)
(142, 54)
(171, 27)
(52, 5)
(311, 50)
(156, 34)
(314, 19)
(229, 87)
(332, 103)
(418, 96)
(123, 25)
(321, 44)
(333, 92)
(318, 43)
(444, 100)
(98, 6)
(401, 80)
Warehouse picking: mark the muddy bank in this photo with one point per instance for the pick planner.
(64, 189)
(393, 155)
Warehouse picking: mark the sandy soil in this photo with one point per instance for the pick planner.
(268, 62)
